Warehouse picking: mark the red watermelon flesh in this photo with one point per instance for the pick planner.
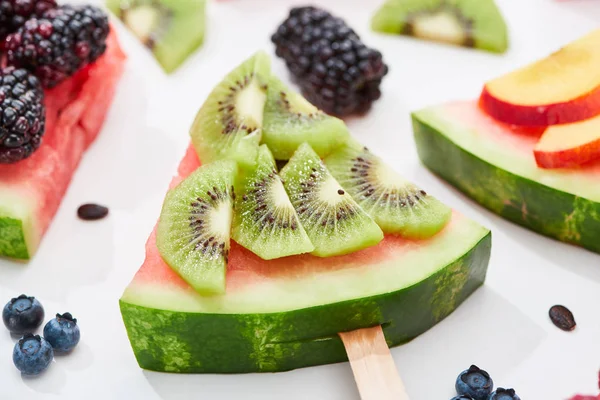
(31, 190)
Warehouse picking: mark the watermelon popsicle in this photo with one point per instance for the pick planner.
(216, 295)
(286, 313)
(31, 190)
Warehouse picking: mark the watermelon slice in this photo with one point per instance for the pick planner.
(285, 313)
(31, 190)
(495, 165)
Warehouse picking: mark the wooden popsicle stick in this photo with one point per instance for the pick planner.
(373, 366)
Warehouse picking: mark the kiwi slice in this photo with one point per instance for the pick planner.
(470, 23)
(229, 123)
(264, 221)
(171, 29)
(333, 221)
(291, 120)
(194, 227)
(397, 205)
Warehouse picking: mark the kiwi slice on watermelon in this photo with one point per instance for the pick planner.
(171, 29)
(229, 123)
(193, 232)
(334, 222)
(291, 120)
(265, 221)
(397, 205)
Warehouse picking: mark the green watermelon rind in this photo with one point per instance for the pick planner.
(13, 243)
(552, 212)
(194, 342)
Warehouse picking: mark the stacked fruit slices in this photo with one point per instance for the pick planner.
(559, 96)
(330, 207)
(289, 233)
(529, 149)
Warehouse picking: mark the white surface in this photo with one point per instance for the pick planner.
(84, 267)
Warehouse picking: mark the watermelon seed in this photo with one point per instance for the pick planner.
(562, 318)
(92, 212)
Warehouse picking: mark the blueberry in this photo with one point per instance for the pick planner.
(23, 314)
(32, 354)
(462, 397)
(62, 332)
(474, 382)
(504, 394)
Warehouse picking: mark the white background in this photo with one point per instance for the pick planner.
(504, 328)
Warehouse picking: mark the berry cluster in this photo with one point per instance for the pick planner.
(14, 13)
(22, 114)
(59, 44)
(32, 354)
(476, 384)
(336, 71)
(45, 41)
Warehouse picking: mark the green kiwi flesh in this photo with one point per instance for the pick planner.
(194, 227)
(265, 221)
(291, 120)
(229, 123)
(334, 222)
(171, 29)
(470, 23)
(398, 206)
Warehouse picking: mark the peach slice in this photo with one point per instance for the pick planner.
(559, 89)
(564, 146)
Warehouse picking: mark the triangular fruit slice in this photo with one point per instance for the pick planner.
(282, 314)
(32, 190)
(291, 120)
(491, 164)
(470, 23)
(171, 29)
(333, 221)
(569, 145)
(194, 227)
(397, 205)
(560, 89)
(229, 123)
(265, 222)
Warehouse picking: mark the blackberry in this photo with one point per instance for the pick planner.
(57, 45)
(22, 114)
(335, 70)
(14, 13)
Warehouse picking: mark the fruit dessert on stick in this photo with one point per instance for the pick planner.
(468, 23)
(257, 266)
(529, 148)
(171, 29)
(53, 107)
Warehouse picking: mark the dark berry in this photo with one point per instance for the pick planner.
(562, 318)
(504, 394)
(90, 212)
(62, 332)
(474, 382)
(22, 114)
(14, 13)
(23, 314)
(334, 69)
(462, 397)
(58, 44)
(32, 354)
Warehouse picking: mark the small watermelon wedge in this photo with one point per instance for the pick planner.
(31, 190)
(494, 164)
(285, 313)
